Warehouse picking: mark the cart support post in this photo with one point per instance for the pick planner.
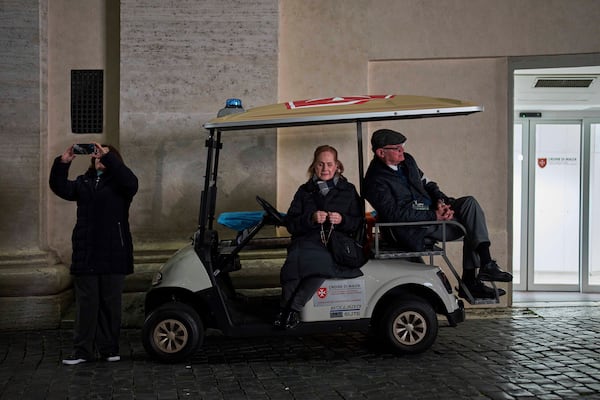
(360, 156)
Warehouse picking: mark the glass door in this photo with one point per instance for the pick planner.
(555, 195)
(556, 205)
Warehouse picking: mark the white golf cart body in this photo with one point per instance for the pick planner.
(397, 298)
(345, 299)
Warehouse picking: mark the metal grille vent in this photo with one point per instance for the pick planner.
(564, 83)
(87, 88)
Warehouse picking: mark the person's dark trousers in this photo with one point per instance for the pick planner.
(98, 314)
(469, 213)
(304, 292)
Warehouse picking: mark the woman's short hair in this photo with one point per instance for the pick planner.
(323, 149)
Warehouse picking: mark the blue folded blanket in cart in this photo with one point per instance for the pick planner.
(240, 220)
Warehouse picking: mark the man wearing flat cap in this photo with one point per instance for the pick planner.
(399, 192)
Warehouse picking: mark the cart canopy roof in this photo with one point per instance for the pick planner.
(337, 110)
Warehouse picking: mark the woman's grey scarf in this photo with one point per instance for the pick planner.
(325, 186)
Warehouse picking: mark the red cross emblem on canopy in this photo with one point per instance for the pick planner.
(335, 101)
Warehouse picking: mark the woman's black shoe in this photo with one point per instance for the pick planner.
(280, 319)
(292, 320)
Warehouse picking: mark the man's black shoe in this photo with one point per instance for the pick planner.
(292, 320)
(479, 291)
(492, 272)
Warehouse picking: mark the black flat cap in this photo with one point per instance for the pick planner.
(386, 137)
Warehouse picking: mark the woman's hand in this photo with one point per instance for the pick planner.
(319, 217)
(68, 155)
(99, 150)
(334, 217)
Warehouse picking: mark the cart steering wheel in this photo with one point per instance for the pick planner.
(271, 211)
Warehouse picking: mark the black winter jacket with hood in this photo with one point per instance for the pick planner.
(396, 200)
(343, 199)
(101, 239)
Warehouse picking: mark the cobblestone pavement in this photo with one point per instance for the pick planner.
(526, 353)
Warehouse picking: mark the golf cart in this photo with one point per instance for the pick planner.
(398, 297)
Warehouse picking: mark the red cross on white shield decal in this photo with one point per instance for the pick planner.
(322, 292)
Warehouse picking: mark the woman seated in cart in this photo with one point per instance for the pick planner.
(326, 202)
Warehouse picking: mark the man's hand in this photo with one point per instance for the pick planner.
(443, 211)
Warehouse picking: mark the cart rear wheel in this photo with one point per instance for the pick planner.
(409, 326)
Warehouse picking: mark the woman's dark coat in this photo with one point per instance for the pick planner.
(307, 255)
(396, 200)
(101, 239)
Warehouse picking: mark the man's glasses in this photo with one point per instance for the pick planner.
(395, 148)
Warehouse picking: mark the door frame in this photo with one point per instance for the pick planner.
(534, 62)
(586, 205)
(527, 222)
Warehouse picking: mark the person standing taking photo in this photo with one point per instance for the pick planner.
(102, 247)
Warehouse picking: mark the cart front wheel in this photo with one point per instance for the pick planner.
(172, 332)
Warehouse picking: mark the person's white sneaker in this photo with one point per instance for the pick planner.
(113, 358)
(73, 360)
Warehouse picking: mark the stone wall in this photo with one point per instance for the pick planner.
(20, 125)
(32, 285)
(457, 49)
(171, 65)
(180, 61)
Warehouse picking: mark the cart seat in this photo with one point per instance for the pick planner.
(383, 249)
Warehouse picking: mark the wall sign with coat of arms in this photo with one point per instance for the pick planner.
(542, 162)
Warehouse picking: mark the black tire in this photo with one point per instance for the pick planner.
(409, 326)
(172, 332)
